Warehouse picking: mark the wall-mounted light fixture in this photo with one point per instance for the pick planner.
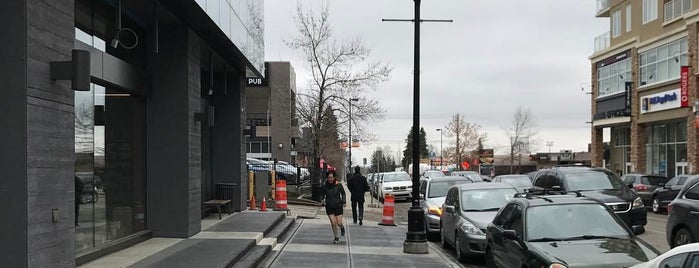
(77, 70)
(281, 146)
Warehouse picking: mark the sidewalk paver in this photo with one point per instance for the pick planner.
(370, 245)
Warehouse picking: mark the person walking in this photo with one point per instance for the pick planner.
(335, 201)
(357, 185)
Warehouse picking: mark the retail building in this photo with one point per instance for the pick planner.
(644, 87)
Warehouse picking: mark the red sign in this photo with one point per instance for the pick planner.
(465, 165)
(684, 86)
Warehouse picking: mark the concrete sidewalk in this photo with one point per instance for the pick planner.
(371, 245)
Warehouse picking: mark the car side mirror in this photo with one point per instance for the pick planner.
(449, 209)
(510, 234)
(638, 229)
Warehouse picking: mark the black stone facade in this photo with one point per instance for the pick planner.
(37, 146)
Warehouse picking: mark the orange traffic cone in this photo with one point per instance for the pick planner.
(252, 203)
(388, 208)
(280, 200)
(263, 206)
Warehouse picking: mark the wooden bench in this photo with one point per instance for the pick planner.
(217, 204)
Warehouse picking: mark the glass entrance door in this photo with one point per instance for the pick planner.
(681, 168)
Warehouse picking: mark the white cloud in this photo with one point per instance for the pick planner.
(495, 56)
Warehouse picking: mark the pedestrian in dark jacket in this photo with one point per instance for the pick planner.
(357, 185)
(335, 201)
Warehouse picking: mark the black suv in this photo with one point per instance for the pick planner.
(599, 184)
(562, 231)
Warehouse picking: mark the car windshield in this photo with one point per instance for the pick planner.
(474, 176)
(486, 199)
(596, 180)
(571, 221)
(517, 181)
(396, 177)
(439, 189)
(654, 180)
(434, 174)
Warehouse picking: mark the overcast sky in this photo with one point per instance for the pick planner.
(495, 56)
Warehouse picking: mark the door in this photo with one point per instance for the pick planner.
(498, 241)
(691, 198)
(681, 168)
(514, 255)
(448, 219)
(628, 167)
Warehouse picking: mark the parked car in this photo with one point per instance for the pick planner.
(521, 182)
(685, 256)
(432, 195)
(597, 183)
(375, 185)
(431, 174)
(562, 231)
(467, 211)
(662, 196)
(91, 185)
(397, 184)
(644, 185)
(472, 175)
(683, 221)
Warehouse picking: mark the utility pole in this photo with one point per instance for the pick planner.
(549, 144)
(441, 154)
(416, 239)
(349, 101)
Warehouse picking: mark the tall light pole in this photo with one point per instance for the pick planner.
(349, 101)
(441, 155)
(416, 239)
(549, 144)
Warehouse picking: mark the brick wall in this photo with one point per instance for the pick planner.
(597, 138)
(638, 132)
(692, 133)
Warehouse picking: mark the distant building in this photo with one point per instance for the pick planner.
(271, 114)
(644, 85)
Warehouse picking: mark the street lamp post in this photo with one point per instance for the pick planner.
(441, 154)
(549, 144)
(349, 101)
(416, 238)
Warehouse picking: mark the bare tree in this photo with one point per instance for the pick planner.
(521, 131)
(467, 136)
(336, 77)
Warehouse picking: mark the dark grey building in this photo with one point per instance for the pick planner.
(271, 111)
(134, 153)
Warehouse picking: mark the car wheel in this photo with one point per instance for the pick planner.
(489, 259)
(457, 247)
(682, 237)
(656, 205)
(445, 244)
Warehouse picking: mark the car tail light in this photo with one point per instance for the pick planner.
(640, 187)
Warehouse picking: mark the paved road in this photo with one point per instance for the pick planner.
(654, 235)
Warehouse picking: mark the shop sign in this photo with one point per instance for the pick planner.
(256, 82)
(661, 101)
(684, 86)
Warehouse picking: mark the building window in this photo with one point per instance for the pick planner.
(611, 78)
(257, 147)
(663, 63)
(666, 146)
(628, 18)
(650, 10)
(616, 23)
(675, 8)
